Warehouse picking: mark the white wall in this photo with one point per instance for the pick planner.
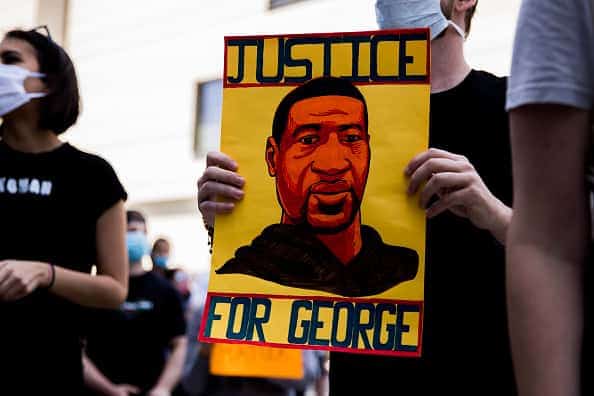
(139, 61)
(489, 46)
(17, 13)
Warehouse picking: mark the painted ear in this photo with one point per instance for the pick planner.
(271, 155)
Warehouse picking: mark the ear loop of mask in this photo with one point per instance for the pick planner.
(458, 29)
(33, 95)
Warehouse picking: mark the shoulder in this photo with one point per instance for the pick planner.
(88, 160)
(158, 282)
(553, 54)
(488, 85)
(99, 175)
(164, 287)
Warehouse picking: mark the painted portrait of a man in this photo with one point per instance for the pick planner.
(319, 155)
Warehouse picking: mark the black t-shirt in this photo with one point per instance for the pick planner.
(465, 343)
(129, 345)
(49, 207)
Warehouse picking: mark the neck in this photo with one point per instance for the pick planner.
(344, 245)
(22, 134)
(136, 269)
(448, 65)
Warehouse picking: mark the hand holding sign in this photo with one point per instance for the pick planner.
(459, 188)
(218, 180)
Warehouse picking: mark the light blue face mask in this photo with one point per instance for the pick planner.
(401, 14)
(138, 246)
(161, 261)
(12, 88)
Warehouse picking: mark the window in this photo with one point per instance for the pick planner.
(209, 100)
(280, 3)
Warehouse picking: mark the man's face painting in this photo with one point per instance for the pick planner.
(322, 163)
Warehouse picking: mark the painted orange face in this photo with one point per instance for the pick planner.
(322, 162)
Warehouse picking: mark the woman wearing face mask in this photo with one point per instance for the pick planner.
(61, 212)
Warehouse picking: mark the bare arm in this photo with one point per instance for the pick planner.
(99, 383)
(106, 290)
(109, 288)
(547, 244)
(173, 368)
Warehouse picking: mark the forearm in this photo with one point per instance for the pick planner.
(501, 220)
(101, 291)
(545, 315)
(547, 246)
(95, 380)
(173, 368)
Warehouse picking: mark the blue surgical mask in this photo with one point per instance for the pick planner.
(138, 245)
(400, 14)
(161, 261)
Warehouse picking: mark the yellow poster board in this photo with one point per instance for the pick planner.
(326, 250)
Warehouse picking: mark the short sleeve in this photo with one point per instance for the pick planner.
(552, 58)
(107, 189)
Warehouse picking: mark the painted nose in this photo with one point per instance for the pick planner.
(330, 157)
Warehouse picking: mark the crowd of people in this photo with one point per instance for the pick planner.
(126, 330)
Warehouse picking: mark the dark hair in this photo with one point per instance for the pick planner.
(60, 108)
(134, 216)
(157, 243)
(321, 86)
(468, 17)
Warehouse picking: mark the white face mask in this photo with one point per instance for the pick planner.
(12, 88)
(399, 14)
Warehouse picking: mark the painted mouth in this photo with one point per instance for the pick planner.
(336, 187)
(331, 210)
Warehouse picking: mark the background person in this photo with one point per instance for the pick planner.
(160, 254)
(160, 257)
(142, 344)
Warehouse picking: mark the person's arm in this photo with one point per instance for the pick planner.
(458, 188)
(99, 383)
(173, 368)
(107, 289)
(546, 249)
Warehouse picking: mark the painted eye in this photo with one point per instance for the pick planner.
(352, 138)
(309, 139)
